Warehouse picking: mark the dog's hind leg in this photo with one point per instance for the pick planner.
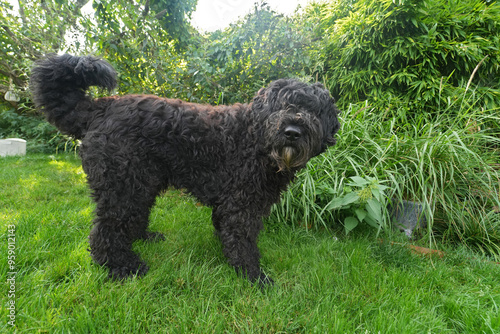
(124, 195)
(116, 227)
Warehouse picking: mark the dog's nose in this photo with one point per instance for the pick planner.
(292, 132)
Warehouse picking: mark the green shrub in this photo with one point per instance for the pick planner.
(362, 200)
(41, 136)
(261, 47)
(409, 56)
(444, 163)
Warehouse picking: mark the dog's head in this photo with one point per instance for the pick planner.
(300, 121)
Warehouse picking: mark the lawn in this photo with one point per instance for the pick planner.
(325, 281)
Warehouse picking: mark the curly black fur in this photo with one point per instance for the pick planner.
(236, 159)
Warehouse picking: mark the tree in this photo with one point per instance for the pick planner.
(410, 54)
(131, 34)
(124, 30)
(232, 64)
(30, 32)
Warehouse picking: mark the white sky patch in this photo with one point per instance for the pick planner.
(211, 15)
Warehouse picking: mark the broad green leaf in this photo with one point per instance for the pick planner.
(375, 193)
(358, 181)
(374, 210)
(350, 223)
(340, 202)
(372, 222)
(350, 198)
(335, 203)
(361, 214)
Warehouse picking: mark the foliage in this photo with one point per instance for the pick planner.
(447, 165)
(43, 137)
(362, 200)
(129, 34)
(236, 62)
(34, 30)
(173, 18)
(224, 67)
(409, 56)
(141, 41)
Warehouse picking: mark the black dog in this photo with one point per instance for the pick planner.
(236, 159)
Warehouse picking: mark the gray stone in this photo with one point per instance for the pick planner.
(407, 216)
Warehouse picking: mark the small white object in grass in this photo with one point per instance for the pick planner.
(11, 96)
(12, 146)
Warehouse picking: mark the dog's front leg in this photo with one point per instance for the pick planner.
(238, 232)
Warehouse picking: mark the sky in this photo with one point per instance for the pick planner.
(211, 15)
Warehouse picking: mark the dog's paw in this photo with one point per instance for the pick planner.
(153, 236)
(262, 281)
(121, 273)
(265, 281)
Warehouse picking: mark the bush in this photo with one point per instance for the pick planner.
(444, 163)
(409, 56)
(238, 61)
(41, 136)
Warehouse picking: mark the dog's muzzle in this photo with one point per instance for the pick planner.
(291, 149)
(293, 140)
(289, 154)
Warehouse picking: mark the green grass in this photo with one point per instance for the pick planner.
(324, 282)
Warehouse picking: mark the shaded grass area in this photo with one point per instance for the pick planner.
(324, 282)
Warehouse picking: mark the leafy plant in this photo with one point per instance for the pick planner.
(363, 200)
(236, 62)
(40, 135)
(411, 55)
(449, 167)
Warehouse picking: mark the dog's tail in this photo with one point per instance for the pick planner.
(58, 85)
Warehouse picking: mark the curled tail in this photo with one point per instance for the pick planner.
(58, 85)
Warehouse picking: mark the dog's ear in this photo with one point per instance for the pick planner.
(263, 102)
(329, 112)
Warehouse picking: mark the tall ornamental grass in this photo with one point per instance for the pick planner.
(449, 164)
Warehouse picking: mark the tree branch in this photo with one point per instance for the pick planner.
(161, 14)
(21, 13)
(30, 52)
(145, 12)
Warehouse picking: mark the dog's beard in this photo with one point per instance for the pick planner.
(289, 158)
(287, 155)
